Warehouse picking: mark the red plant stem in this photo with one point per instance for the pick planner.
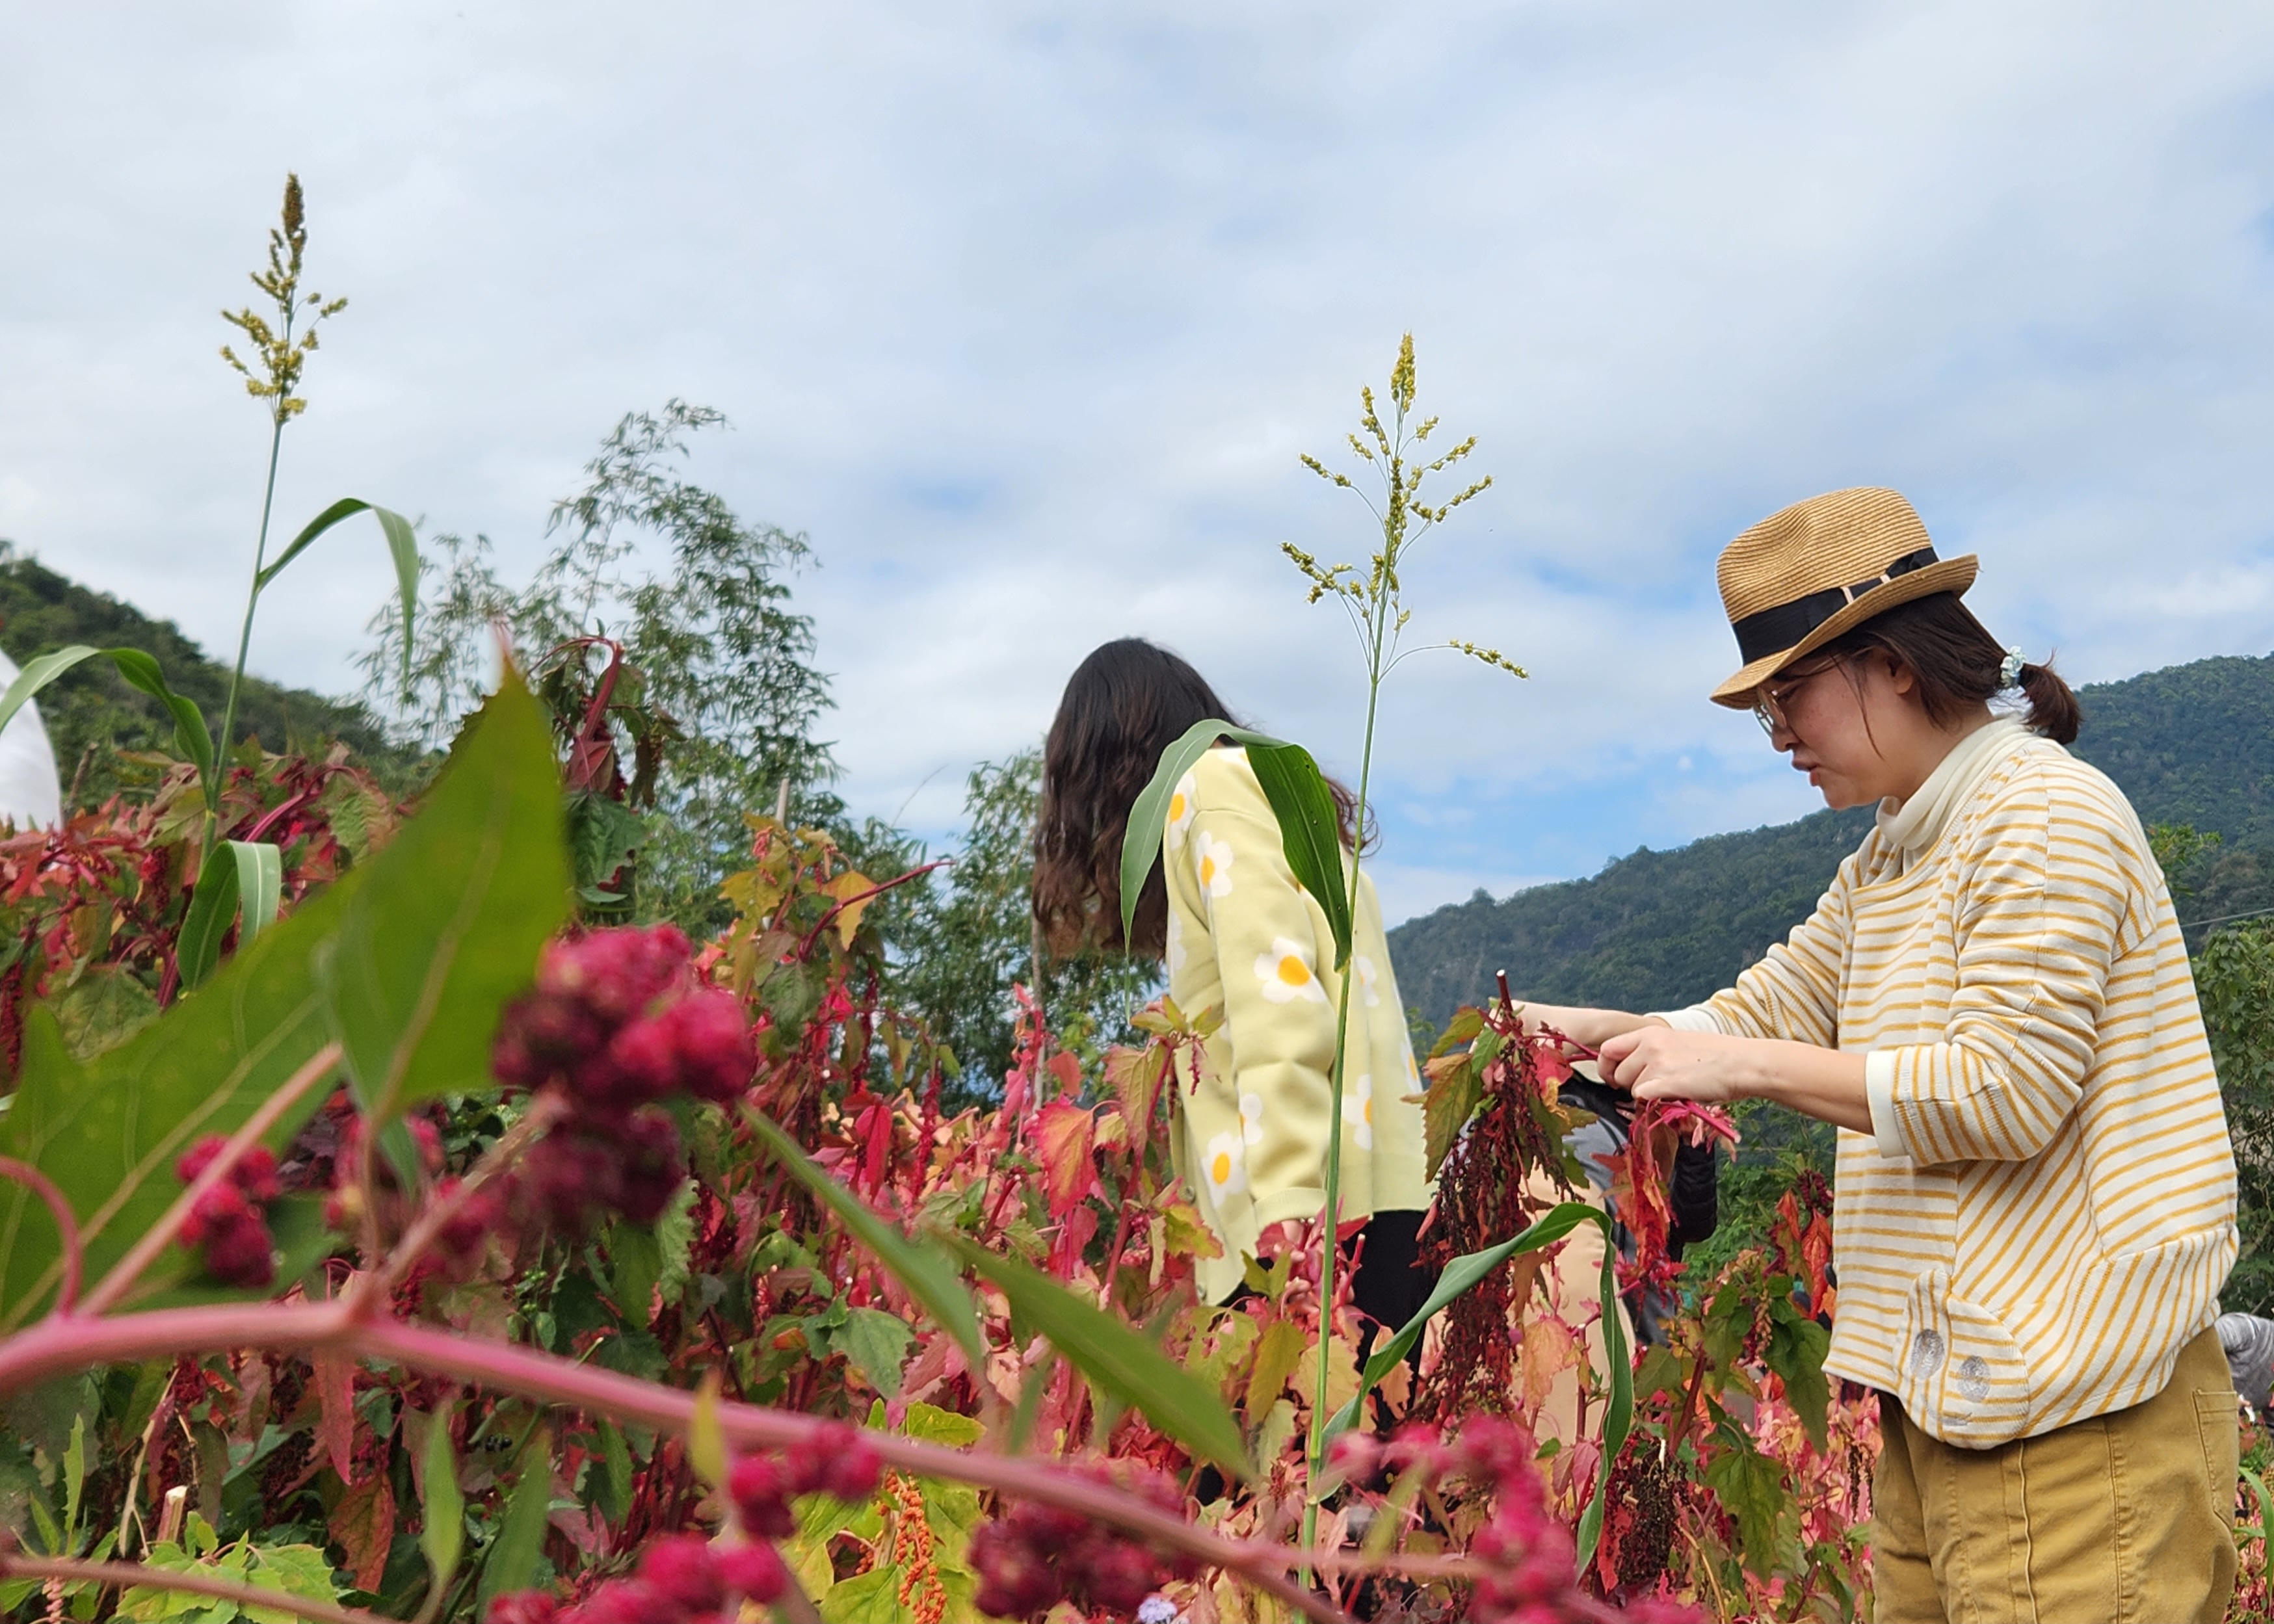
(58, 1347)
(145, 1251)
(134, 1575)
(74, 1250)
(814, 934)
(291, 803)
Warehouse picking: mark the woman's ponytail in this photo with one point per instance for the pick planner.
(1959, 664)
(2053, 709)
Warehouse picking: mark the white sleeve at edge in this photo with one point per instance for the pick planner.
(1880, 1088)
(1696, 1017)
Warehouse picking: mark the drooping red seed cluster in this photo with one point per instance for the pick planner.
(1033, 1557)
(616, 1024)
(231, 1220)
(1529, 1559)
(839, 1462)
(682, 1579)
(689, 1579)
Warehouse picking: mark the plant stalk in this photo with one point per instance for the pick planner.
(223, 743)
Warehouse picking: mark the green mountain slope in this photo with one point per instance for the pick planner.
(2191, 744)
(92, 714)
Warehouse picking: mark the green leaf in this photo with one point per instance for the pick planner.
(402, 541)
(615, 1484)
(1751, 1488)
(872, 1598)
(213, 909)
(444, 1535)
(1117, 1361)
(635, 1262)
(1447, 1104)
(236, 871)
(191, 732)
(109, 1131)
(1796, 1352)
(1309, 829)
(447, 926)
(927, 1275)
(511, 1561)
(877, 1344)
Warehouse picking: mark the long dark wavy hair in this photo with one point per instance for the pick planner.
(1125, 704)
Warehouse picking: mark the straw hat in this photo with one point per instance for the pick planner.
(1801, 577)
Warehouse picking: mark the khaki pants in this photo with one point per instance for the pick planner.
(2127, 1517)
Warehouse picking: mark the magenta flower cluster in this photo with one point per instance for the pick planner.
(230, 1222)
(616, 1024)
(1034, 1556)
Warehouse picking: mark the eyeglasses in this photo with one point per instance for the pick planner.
(1773, 697)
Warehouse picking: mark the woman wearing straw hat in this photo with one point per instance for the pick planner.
(2035, 1191)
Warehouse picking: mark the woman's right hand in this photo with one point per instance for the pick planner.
(1593, 1028)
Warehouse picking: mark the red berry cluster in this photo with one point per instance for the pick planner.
(839, 1462)
(616, 1024)
(688, 1579)
(1034, 1556)
(1529, 1559)
(229, 1221)
(681, 1578)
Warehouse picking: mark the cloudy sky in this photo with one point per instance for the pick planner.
(1023, 313)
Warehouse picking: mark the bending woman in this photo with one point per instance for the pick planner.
(1222, 906)
(2035, 1205)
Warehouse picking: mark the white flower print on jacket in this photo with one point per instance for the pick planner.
(1367, 977)
(1251, 1117)
(1286, 973)
(1357, 1110)
(1212, 861)
(1226, 1165)
(1184, 805)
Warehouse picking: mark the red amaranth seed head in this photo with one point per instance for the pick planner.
(617, 972)
(525, 1607)
(680, 1569)
(752, 1571)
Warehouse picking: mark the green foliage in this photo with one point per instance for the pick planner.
(2234, 977)
(97, 720)
(710, 636)
(961, 936)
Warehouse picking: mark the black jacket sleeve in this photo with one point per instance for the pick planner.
(1694, 1192)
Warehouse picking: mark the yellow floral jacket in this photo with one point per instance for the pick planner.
(1251, 1133)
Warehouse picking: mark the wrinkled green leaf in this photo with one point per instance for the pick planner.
(402, 542)
(1447, 1104)
(1309, 829)
(1751, 1488)
(926, 1274)
(1796, 1352)
(449, 924)
(877, 1344)
(1117, 1361)
(444, 1535)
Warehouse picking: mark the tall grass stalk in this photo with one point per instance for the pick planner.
(1394, 456)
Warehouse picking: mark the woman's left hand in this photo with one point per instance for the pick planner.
(1660, 1063)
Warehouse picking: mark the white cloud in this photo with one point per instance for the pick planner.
(1023, 313)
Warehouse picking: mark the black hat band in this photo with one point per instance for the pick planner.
(1772, 631)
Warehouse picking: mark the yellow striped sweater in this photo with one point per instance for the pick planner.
(2045, 1214)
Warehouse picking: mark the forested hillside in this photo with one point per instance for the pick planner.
(2191, 744)
(92, 714)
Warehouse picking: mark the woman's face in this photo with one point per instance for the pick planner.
(1833, 718)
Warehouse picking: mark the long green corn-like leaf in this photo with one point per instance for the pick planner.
(448, 926)
(1117, 1361)
(402, 541)
(1465, 1272)
(443, 1537)
(1309, 829)
(191, 734)
(926, 1274)
(213, 908)
(260, 884)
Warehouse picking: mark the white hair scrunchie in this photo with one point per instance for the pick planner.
(2009, 670)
